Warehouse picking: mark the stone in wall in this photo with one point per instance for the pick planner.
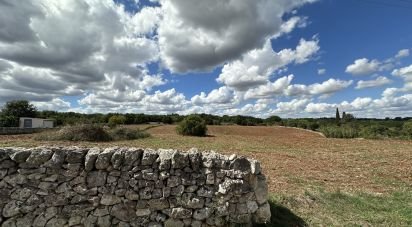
(71, 186)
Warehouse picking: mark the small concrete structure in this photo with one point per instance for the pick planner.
(28, 122)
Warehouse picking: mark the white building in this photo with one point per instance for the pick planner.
(28, 122)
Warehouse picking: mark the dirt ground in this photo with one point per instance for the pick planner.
(292, 159)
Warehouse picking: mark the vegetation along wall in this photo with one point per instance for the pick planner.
(57, 186)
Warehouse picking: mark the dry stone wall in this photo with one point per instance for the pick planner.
(71, 186)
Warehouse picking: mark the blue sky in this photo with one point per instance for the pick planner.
(298, 58)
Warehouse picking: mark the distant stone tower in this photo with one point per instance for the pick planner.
(337, 114)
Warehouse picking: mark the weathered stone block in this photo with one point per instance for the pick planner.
(143, 212)
(159, 204)
(96, 179)
(124, 211)
(108, 200)
(179, 160)
(21, 194)
(76, 155)
(117, 159)
(262, 214)
(202, 214)
(38, 157)
(181, 213)
(12, 208)
(20, 156)
(174, 223)
(104, 158)
(149, 157)
(90, 158)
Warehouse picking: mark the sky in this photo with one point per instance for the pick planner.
(291, 58)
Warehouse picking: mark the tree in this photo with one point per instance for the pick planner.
(273, 120)
(19, 108)
(13, 110)
(347, 117)
(337, 114)
(192, 125)
(116, 120)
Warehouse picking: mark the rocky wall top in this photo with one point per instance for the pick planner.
(71, 186)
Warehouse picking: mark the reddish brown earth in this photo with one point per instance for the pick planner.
(292, 159)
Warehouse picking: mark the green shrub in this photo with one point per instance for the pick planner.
(128, 134)
(92, 133)
(272, 120)
(192, 125)
(8, 121)
(313, 126)
(407, 129)
(339, 132)
(375, 132)
(116, 120)
(302, 124)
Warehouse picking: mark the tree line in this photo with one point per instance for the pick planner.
(13, 110)
(341, 126)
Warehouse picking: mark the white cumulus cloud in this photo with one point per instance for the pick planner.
(257, 65)
(363, 66)
(379, 81)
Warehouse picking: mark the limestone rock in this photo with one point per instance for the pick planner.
(76, 155)
(131, 195)
(6, 164)
(252, 206)
(261, 190)
(124, 212)
(143, 212)
(90, 158)
(105, 221)
(96, 179)
(39, 157)
(56, 222)
(165, 159)
(117, 159)
(21, 194)
(20, 156)
(173, 181)
(108, 200)
(242, 164)
(202, 214)
(179, 160)
(181, 213)
(255, 167)
(104, 158)
(57, 159)
(195, 159)
(189, 200)
(75, 220)
(173, 223)
(132, 157)
(12, 208)
(3, 173)
(27, 220)
(159, 204)
(4, 154)
(149, 157)
(262, 214)
(9, 223)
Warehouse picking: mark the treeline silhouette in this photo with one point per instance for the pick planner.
(341, 126)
